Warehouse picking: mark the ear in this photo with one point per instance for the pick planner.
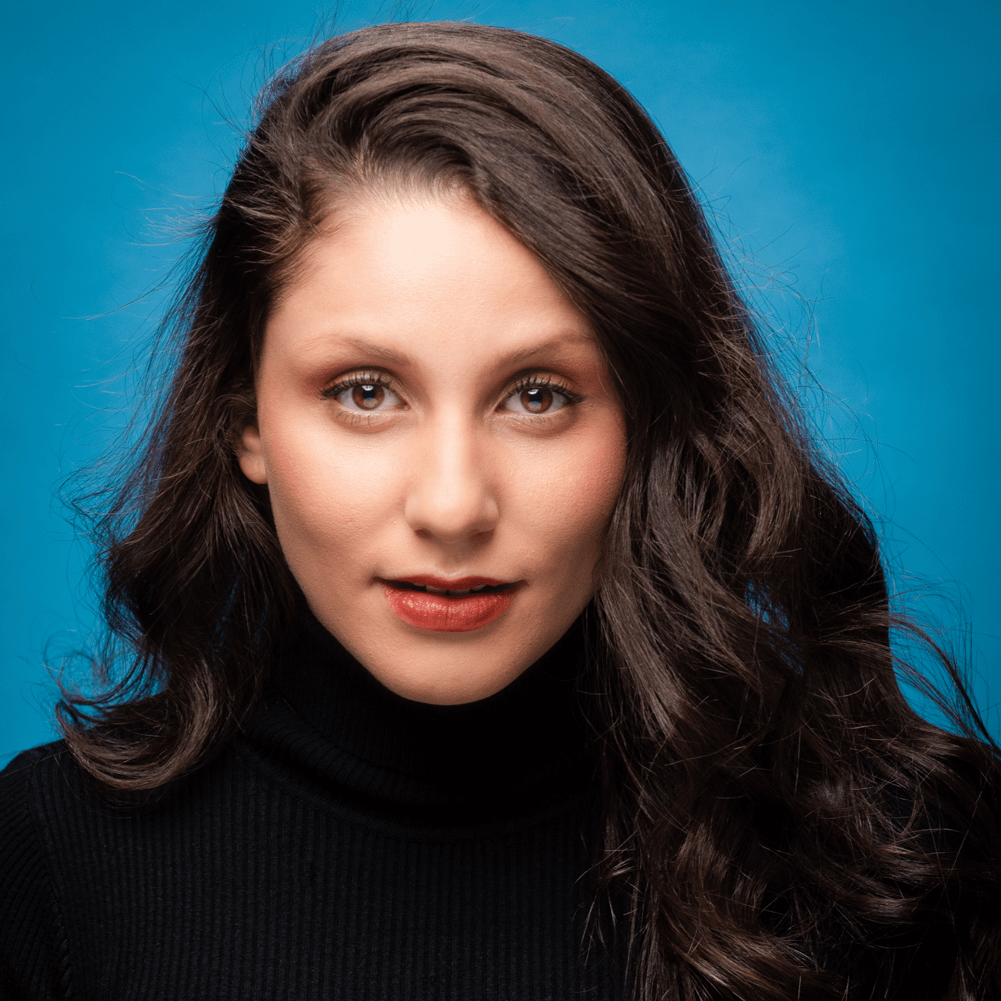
(250, 454)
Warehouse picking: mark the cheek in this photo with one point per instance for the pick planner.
(326, 496)
(571, 503)
(597, 488)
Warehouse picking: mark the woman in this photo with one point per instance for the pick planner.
(493, 628)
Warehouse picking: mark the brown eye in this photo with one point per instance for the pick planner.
(537, 400)
(364, 397)
(367, 397)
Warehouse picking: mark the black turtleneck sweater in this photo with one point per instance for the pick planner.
(347, 844)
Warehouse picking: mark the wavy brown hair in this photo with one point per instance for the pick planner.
(776, 813)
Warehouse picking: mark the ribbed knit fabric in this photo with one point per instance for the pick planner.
(348, 844)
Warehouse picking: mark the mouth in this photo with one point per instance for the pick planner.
(450, 606)
(454, 589)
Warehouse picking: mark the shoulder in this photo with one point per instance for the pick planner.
(23, 767)
(72, 854)
(32, 944)
(21, 851)
(26, 778)
(33, 786)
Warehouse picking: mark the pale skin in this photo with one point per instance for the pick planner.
(430, 403)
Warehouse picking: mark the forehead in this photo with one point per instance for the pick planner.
(395, 276)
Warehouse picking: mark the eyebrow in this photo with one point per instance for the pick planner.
(378, 351)
(554, 344)
(391, 357)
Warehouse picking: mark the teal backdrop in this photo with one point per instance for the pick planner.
(847, 153)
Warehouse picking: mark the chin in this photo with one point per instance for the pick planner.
(450, 669)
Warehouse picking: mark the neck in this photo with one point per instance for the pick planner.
(521, 749)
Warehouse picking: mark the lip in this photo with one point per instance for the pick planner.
(448, 613)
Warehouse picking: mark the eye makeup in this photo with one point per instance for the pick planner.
(364, 392)
(367, 391)
(538, 395)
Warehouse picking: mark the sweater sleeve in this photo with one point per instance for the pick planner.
(32, 953)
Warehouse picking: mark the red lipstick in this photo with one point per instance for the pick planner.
(432, 603)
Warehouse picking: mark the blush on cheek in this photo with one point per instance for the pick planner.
(597, 482)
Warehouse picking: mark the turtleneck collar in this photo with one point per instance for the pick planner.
(523, 749)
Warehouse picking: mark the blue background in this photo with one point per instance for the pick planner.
(847, 152)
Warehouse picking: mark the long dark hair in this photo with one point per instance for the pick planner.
(768, 787)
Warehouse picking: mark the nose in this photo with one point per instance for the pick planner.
(451, 498)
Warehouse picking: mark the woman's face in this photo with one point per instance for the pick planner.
(433, 416)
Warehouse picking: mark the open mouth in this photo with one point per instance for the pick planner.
(406, 585)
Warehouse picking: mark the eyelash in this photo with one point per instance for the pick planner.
(362, 378)
(544, 382)
(373, 378)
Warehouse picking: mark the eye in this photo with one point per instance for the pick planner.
(538, 398)
(363, 394)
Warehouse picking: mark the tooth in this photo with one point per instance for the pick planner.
(452, 592)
